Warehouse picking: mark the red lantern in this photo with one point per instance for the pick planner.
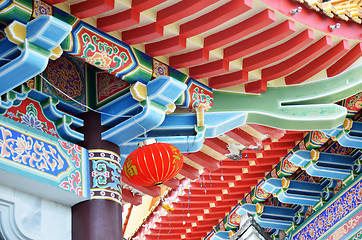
(153, 163)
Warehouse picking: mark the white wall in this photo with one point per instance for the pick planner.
(24, 216)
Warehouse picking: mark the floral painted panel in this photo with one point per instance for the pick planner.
(109, 86)
(30, 113)
(49, 160)
(65, 80)
(331, 215)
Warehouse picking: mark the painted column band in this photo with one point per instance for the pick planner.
(105, 175)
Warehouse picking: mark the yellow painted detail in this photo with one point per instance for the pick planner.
(347, 124)
(139, 91)
(16, 32)
(130, 169)
(259, 208)
(170, 108)
(200, 116)
(56, 53)
(285, 183)
(314, 154)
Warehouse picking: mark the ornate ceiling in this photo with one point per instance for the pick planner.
(240, 46)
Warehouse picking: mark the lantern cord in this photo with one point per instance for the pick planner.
(158, 237)
(210, 179)
(169, 231)
(144, 129)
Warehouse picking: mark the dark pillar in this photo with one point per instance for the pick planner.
(101, 217)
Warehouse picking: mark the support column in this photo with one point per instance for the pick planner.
(100, 217)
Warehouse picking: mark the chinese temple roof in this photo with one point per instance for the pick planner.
(241, 46)
(258, 48)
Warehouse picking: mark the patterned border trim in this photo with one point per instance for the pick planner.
(346, 203)
(105, 174)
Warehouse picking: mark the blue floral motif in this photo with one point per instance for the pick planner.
(330, 216)
(25, 150)
(31, 118)
(32, 121)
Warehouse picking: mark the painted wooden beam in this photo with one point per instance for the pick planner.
(118, 21)
(279, 52)
(153, 191)
(344, 62)
(243, 137)
(229, 79)
(214, 18)
(189, 59)
(290, 107)
(217, 145)
(240, 30)
(180, 10)
(209, 69)
(127, 196)
(293, 63)
(166, 46)
(143, 34)
(91, 8)
(204, 160)
(272, 132)
(172, 183)
(143, 5)
(318, 64)
(189, 172)
(259, 41)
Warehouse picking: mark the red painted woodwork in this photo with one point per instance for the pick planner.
(229, 79)
(258, 86)
(172, 183)
(204, 160)
(189, 59)
(91, 8)
(166, 46)
(118, 21)
(316, 20)
(345, 61)
(267, 161)
(259, 41)
(240, 30)
(181, 10)
(217, 145)
(142, 5)
(143, 34)
(272, 132)
(253, 176)
(127, 196)
(153, 191)
(293, 63)
(209, 69)
(189, 172)
(214, 18)
(153, 164)
(279, 52)
(243, 137)
(318, 64)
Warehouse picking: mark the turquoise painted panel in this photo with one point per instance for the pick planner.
(43, 158)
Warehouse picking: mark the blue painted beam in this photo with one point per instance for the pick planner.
(323, 164)
(294, 192)
(36, 49)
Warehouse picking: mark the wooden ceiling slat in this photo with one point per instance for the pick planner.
(345, 61)
(318, 64)
(259, 41)
(118, 21)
